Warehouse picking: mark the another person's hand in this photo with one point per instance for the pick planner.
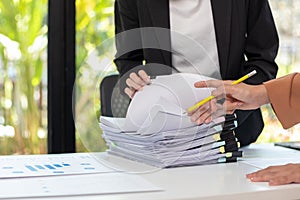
(207, 112)
(240, 96)
(277, 175)
(136, 82)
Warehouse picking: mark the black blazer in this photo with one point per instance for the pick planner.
(244, 28)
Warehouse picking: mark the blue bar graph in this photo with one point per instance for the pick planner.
(49, 166)
(31, 168)
(35, 168)
(39, 167)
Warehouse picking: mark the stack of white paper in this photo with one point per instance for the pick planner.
(157, 132)
(187, 146)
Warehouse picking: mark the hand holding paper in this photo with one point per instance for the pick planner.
(166, 94)
(135, 82)
(206, 109)
(236, 97)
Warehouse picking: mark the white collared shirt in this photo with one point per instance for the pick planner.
(193, 38)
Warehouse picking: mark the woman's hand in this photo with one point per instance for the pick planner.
(277, 175)
(240, 96)
(207, 112)
(136, 82)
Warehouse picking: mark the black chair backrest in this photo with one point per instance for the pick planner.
(113, 102)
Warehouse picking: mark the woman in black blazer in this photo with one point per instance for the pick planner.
(246, 39)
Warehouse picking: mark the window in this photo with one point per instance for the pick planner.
(94, 54)
(287, 15)
(23, 77)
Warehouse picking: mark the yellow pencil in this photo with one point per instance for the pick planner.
(244, 77)
(200, 103)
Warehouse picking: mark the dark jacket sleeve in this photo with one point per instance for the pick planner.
(261, 42)
(128, 40)
(260, 49)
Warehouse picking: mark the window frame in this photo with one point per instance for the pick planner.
(61, 76)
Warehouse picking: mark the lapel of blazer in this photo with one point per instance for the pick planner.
(159, 14)
(222, 19)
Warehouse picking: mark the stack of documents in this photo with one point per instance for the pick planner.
(157, 130)
(204, 144)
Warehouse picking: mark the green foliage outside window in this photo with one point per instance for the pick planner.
(287, 17)
(23, 42)
(94, 36)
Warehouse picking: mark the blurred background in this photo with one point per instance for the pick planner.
(23, 70)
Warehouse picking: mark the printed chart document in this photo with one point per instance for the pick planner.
(50, 165)
(74, 185)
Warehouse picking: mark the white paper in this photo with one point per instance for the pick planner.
(168, 137)
(168, 146)
(167, 96)
(176, 89)
(109, 183)
(50, 165)
(160, 123)
(191, 157)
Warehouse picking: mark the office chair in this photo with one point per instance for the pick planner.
(113, 102)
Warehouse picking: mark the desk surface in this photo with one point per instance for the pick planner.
(210, 182)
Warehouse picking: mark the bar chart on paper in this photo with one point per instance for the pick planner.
(49, 165)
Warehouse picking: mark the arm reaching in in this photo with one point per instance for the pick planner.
(284, 95)
(241, 96)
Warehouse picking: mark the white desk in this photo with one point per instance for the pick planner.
(210, 182)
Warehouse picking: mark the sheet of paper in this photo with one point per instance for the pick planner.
(163, 138)
(164, 147)
(50, 165)
(160, 106)
(191, 157)
(171, 94)
(161, 117)
(109, 183)
(161, 122)
(118, 125)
